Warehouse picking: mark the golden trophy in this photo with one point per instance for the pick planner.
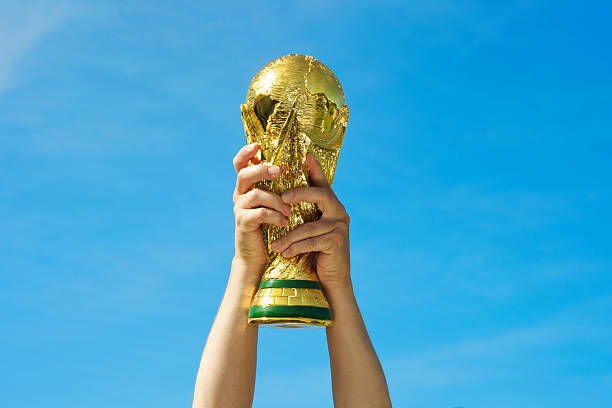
(294, 106)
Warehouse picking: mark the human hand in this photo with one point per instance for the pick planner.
(254, 206)
(328, 236)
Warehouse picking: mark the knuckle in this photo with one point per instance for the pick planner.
(294, 194)
(242, 173)
(311, 244)
(240, 218)
(245, 198)
(240, 201)
(259, 194)
(265, 214)
(309, 227)
(262, 213)
(256, 197)
(336, 238)
(280, 218)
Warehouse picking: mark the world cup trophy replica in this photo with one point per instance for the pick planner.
(294, 106)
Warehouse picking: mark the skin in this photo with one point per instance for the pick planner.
(226, 377)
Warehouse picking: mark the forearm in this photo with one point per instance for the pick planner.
(357, 377)
(226, 377)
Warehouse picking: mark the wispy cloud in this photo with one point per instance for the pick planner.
(22, 25)
(502, 354)
(469, 360)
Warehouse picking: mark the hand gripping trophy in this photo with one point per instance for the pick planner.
(294, 106)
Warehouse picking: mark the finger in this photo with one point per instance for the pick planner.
(323, 243)
(244, 155)
(251, 219)
(252, 174)
(316, 172)
(304, 231)
(263, 198)
(320, 195)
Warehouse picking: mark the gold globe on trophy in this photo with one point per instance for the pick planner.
(294, 106)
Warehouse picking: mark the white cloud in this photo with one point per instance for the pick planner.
(22, 25)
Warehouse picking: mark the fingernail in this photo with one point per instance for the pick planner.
(288, 196)
(287, 209)
(286, 254)
(275, 245)
(274, 171)
(252, 146)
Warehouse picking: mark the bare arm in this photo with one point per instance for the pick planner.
(357, 377)
(226, 377)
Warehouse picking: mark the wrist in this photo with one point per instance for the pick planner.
(242, 263)
(245, 275)
(339, 294)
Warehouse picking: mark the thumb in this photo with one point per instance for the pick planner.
(316, 172)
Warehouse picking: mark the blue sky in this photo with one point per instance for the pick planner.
(476, 170)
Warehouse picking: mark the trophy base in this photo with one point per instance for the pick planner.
(290, 303)
(290, 316)
(297, 323)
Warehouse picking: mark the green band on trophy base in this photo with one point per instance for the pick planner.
(289, 283)
(309, 312)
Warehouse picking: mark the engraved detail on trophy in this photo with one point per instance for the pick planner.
(294, 106)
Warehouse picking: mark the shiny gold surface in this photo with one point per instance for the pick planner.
(284, 322)
(294, 105)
